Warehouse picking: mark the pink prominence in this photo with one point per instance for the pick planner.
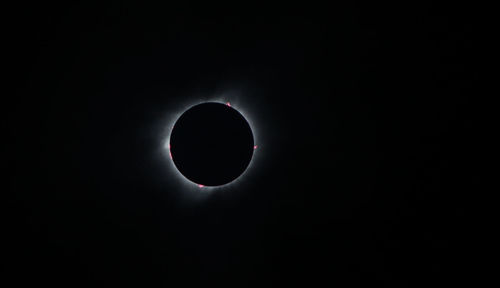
(228, 104)
(201, 185)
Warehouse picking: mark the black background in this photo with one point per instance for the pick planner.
(362, 112)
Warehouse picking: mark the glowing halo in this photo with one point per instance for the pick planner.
(232, 101)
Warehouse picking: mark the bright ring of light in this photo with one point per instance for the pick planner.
(188, 184)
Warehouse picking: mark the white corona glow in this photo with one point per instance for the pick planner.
(236, 103)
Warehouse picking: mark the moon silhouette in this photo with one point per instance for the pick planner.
(211, 144)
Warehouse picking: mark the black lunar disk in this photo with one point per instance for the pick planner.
(211, 144)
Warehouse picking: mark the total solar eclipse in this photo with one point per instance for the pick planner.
(211, 144)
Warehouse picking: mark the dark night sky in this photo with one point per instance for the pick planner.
(362, 113)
